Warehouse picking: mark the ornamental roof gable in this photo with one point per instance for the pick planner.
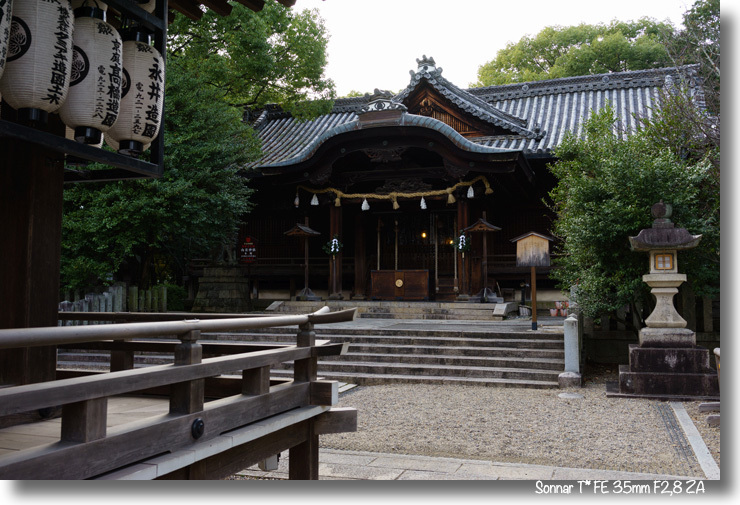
(430, 94)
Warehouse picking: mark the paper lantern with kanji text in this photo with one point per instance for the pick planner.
(142, 95)
(6, 14)
(37, 70)
(147, 5)
(95, 89)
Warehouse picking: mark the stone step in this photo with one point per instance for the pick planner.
(395, 309)
(373, 379)
(429, 342)
(365, 367)
(454, 360)
(288, 334)
(458, 350)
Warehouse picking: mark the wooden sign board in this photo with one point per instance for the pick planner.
(532, 250)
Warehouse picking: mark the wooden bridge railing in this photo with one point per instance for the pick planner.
(198, 438)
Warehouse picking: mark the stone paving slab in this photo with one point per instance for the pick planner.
(337, 464)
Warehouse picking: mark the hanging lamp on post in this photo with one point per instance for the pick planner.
(94, 96)
(35, 80)
(6, 14)
(142, 93)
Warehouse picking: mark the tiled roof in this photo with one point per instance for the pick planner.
(538, 114)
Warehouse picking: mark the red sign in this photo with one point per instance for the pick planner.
(248, 251)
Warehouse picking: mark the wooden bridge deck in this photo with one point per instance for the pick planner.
(121, 410)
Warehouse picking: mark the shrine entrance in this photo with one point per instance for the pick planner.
(417, 249)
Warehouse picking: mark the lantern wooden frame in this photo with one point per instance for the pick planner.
(122, 167)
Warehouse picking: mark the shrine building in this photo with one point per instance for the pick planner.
(399, 178)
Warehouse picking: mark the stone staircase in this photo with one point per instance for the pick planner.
(397, 309)
(407, 352)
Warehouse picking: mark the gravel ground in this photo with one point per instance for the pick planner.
(525, 426)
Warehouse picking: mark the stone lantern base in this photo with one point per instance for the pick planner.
(668, 372)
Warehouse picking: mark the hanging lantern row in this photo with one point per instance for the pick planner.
(6, 13)
(65, 58)
(393, 197)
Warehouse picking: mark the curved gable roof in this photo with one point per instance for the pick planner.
(557, 106)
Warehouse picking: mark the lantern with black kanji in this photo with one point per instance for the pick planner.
(95, 87)
(6, 14)
(147, 5)
(142, 95)
(39, 58)
(113, 144)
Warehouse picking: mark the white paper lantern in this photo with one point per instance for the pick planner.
(39, 61)
(147, 5)
(95, 87)
(113, 144)
(6, 14)
(142, 95)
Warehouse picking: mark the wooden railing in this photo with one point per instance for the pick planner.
(196, 438)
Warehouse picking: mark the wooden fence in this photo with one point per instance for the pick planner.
(116, 298)
(246, 419)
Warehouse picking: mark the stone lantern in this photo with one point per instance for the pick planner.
(665, 327)
(667, 363)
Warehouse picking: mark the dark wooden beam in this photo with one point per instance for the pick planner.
(255, 5)
(220, 7)
(188, 8)
(138, 441)
(227, 463)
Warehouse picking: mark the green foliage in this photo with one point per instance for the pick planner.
(699, 42)
(196, 205)
(147, 231)
(277, 55)
(606, 186)
(353, 93)
(176, 296)
(579, 50)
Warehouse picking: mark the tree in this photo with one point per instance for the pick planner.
(699, 42)
(277, 55)
(606, 186)
(579, 50)
(147, 231)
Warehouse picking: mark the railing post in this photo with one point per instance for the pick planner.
(84, 421)
(304, 457)
(256, 381)
(187, 397)
(305, 369)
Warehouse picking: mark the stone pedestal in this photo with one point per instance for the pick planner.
(222, 289)
(668, 372)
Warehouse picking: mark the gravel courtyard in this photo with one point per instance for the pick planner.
(526, 426)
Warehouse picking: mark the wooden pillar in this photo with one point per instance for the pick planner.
(31, 189)
(188, 397)
(533, 274)
(463, 265)
(335, 271)
(360, 259)
(304, 457)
